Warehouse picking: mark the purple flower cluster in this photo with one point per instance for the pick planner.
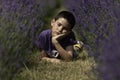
(92, 17)
(20, 22)
(98, 26)
(110, 56)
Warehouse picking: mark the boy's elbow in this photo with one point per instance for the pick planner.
(68, 58)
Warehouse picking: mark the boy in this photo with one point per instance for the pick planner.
(56, 44)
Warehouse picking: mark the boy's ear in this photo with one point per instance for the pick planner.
(52, 22)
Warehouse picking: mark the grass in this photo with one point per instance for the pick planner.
(81, 69)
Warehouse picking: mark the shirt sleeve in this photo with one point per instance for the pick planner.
(69, 40)
(72, 39)
(41, 41)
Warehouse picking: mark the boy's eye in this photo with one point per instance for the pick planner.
(59, 24)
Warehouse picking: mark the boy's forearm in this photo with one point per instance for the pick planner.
(63, 53)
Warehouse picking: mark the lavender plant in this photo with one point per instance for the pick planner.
(98, 25)
(109, 68)
(20, 22)
(91, 17)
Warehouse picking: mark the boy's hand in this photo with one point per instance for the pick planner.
(56, 38)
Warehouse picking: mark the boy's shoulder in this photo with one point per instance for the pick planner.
(46, 32)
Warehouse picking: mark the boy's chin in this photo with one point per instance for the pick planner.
(54, 35)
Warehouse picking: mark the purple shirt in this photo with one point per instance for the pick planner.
(44, 41)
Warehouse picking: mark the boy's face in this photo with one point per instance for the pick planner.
(60, 26)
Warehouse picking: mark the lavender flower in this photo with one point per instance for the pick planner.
(98, 24)
(20, 23)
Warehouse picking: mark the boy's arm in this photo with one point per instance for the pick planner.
(44, 57)
(66, 54)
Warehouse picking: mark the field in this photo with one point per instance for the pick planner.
(80, 69)
(97, 26)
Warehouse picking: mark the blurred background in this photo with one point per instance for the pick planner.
(97, 26)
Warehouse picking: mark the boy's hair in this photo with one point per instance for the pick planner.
(67, 15)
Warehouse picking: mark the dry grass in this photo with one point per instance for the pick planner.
(75, 70)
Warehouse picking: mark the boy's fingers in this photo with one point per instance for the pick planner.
(60, 35)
